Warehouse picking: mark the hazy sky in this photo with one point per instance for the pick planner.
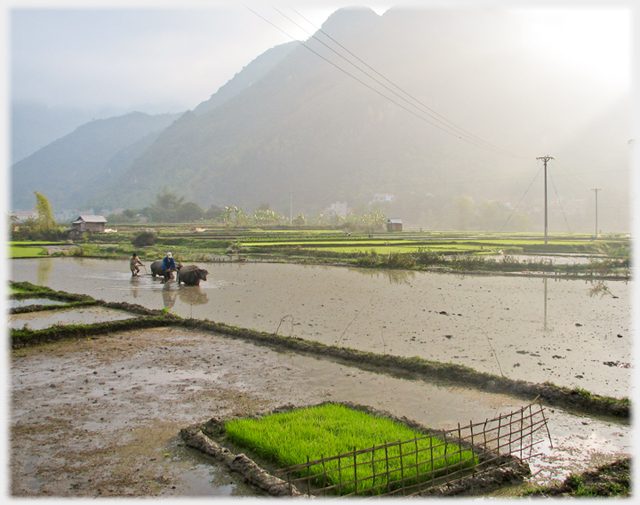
(154, 57)
(151, 53)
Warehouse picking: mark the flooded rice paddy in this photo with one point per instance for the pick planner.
(124, 397)
(531, 328)
(27, 302)
(85, 315)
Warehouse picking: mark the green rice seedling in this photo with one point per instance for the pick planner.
(289, 438)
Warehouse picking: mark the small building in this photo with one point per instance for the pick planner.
(87, 224)
(339, 209)
(394, 224)
(383, 197)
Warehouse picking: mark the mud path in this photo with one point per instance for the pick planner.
(101, 416)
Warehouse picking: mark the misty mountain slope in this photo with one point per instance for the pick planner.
(247, 76)
(71, 169)
(309, 130)
(305, 127)
(33, 126)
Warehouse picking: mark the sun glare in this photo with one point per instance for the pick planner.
(596, 40)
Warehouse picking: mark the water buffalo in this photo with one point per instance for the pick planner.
(156, 268)
(191, 275)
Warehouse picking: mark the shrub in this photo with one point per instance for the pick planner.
(423, 256)
(144, 238)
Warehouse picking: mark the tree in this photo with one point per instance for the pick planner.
(45, 221)
(189, 212)
(491, 215)
(214, 212)
(165, 207)
(300, 220)
(168, 200)
(463, 212)
(144, 238)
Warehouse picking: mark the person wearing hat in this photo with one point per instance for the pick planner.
(168, 266)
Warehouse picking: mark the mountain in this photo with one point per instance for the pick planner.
(75, 167)
(309, 129)
(247, 76)
(85, 156)
(33, 126)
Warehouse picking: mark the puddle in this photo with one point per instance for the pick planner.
(26, 302)
(86, 315)
(530, 328)
(201, 475)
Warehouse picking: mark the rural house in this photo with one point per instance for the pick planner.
(394, 224)
(383, 197)
(88, 224)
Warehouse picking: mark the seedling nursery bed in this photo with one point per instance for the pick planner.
(344, 450)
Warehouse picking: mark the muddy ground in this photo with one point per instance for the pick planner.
(101, 416)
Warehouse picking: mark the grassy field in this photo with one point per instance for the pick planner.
(288, 438)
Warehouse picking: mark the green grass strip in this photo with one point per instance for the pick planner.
(288, 438)
(16, 252)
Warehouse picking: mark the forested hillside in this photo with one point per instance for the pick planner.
(73, 168)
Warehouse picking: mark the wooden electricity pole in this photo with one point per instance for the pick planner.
(595, 237)
(546, 221)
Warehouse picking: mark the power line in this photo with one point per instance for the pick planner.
(431, 113)
(559, 202)
(445, 129)
(519, 201)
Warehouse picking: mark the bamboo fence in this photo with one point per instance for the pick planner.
(412, 467)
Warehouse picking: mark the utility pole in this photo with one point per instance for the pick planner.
(595, 237)
(291, 209)
(546, 222)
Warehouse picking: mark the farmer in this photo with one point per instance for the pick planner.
(168, 266)
(133, 264)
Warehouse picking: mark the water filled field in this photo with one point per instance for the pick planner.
(531, 328)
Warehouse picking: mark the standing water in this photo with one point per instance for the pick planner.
(530, 328)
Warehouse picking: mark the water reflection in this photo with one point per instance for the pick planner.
(544, 277)
(394, 276)
(135, 284)
(44, 271)
(193, 295)
(601, 288)
(168, 296)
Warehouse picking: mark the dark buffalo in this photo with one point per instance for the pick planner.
(156, 268)
(191, 275)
